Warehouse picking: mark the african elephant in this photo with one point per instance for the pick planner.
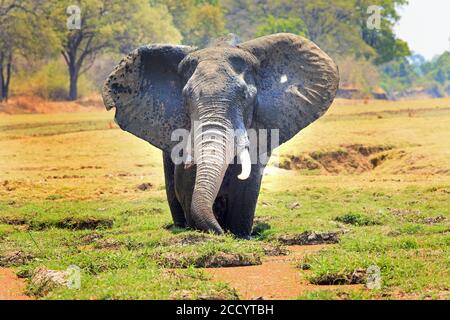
(281, 81)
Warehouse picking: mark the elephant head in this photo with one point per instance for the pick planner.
(281, 81)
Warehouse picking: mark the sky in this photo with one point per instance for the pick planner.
(425, 25)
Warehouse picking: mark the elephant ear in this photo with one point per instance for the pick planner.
(296, 83)
(146, 90)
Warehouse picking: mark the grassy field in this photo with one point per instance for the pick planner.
(75, 190)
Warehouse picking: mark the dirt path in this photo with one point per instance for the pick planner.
(277, 278)
(11, 287)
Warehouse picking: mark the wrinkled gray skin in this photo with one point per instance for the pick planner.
(280, 82)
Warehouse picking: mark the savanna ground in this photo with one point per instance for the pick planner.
(76, 190)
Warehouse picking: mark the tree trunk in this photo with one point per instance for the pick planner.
(5, 75)
(73, 75)
(8, 78)
(2, 81)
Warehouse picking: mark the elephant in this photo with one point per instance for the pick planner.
(277, 83)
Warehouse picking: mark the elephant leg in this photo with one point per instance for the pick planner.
(176, 210)
(242, 199)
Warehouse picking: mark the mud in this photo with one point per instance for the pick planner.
(309, 238)
(74, 223)
(108, 244)
(145, 186)
(143, 212)
(11, 287)
(351, 159)
(434, 220)
(416, 216)
(276, 278)
(90, 238)
(224, 294)
(14, 221)
(274, 250)
(216, 260)
(356, 277)
(97, 241)
(189, 239)
(15, 258)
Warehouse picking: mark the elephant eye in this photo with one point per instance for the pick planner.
(187, 66)
(238, 64)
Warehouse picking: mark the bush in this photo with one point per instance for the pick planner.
(50, 82)
(358, 74)
(357, 219)
(277, 25)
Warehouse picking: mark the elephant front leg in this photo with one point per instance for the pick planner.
(242, 200)
(176, 209)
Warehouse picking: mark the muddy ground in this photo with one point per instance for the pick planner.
(11, 287)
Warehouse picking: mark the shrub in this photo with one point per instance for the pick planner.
(357, 219)
(50, 82)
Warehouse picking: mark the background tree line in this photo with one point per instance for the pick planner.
(40, 55)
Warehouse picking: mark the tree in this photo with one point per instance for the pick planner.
(440, 76)
(244, 16)
(206, 23)
(333, 25)
(22, 33)
(107, 25)
(358, 74)
(398, 75)
(383, 40)
(276, 25)
(338, 26)
(199, 21)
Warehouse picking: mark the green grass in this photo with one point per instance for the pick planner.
(69, 196)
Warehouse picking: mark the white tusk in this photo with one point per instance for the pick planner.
(246, 164)
(189, 161)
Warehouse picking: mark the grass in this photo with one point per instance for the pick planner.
(69, 196)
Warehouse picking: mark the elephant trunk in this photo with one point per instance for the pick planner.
(213, 152)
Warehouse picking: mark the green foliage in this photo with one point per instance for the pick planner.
(199, 21)
(22, 34)
(397, 75)
(358, 73)
(49, 82)
(339, 27)
(206, 24)
(36, 31)
(432, 78)
(387, 46)
(277, 25)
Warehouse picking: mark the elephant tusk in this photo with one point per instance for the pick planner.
(189, 161)
(246, 164)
